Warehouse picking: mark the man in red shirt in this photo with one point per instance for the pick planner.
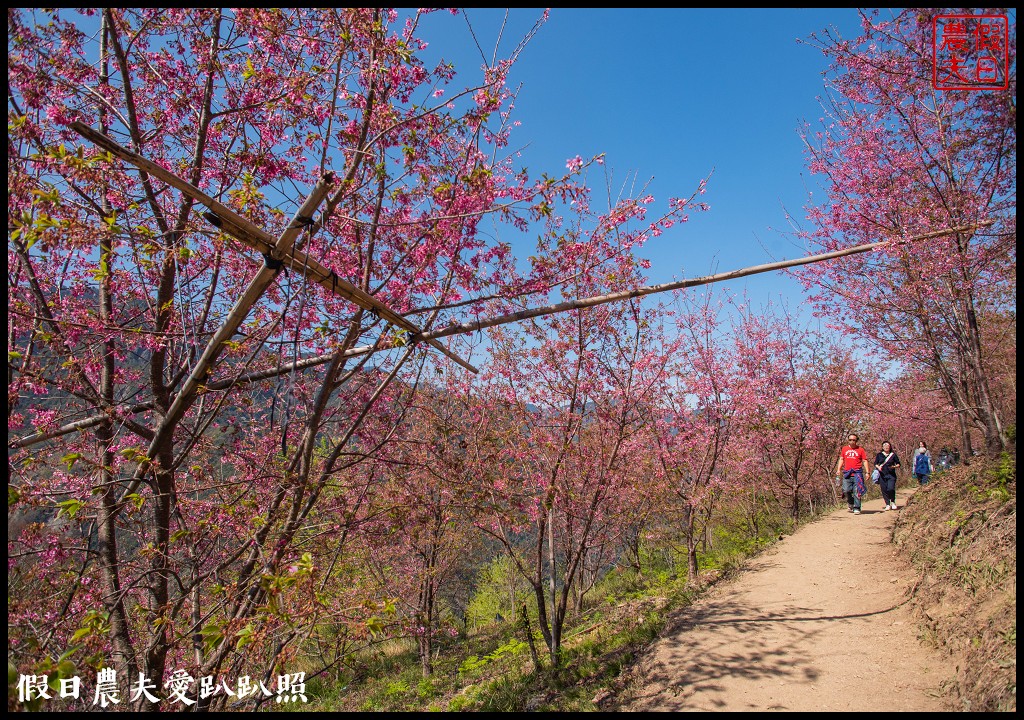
(853, 468)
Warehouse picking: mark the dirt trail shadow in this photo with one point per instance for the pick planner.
(686, 671)
(807, 625)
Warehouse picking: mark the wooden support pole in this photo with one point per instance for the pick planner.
(463, 328)
(83, 424)
(256, 238)
(253, 292)
(249, 234)
(225, 384)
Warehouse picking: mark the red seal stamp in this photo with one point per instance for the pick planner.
(970, 52)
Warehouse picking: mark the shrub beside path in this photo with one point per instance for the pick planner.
(820, 621)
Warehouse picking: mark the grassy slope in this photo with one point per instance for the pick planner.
(960, 532)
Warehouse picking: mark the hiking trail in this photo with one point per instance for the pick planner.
(819, 621)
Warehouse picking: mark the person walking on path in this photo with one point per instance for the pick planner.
(886, 463)
(853, 469)
(922, 464)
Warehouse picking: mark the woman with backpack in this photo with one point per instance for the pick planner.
(922, 464)
(886, 463)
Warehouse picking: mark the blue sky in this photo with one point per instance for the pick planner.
(669, 96)
(673, 94)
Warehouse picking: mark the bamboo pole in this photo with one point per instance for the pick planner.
(464, 328)
(253, 292)
(258, 239)
(83, 424)
(255, 376)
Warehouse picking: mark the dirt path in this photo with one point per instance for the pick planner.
(818, 622)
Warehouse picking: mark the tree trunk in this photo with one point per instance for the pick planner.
(524, 624)
(636, 554)
(426, 628)
(123, 656)
(512, 592)
(995, 437)
(555, 621)
(965, 439)
(692, 568)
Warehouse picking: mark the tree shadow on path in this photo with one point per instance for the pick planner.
(768, 647)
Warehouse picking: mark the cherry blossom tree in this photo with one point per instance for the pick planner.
(182, 410)
(802, 393)
(583, 389)
(908, 409)
(425, 529)
(897, 158)
(696, 419)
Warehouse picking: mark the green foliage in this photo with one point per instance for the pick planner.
(425, 689)
(735, 538)
(55, 670)
(69, 507)
(957, 519)
(507, 693)
(1005, 476)
(977, 576)
(472, 663)
(95, 622)
(396, 689)
(499, 590)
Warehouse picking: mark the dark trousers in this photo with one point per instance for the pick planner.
(888, 487)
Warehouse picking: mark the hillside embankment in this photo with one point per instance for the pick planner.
(960, 534)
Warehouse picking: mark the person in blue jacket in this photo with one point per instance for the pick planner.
(922, 464)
